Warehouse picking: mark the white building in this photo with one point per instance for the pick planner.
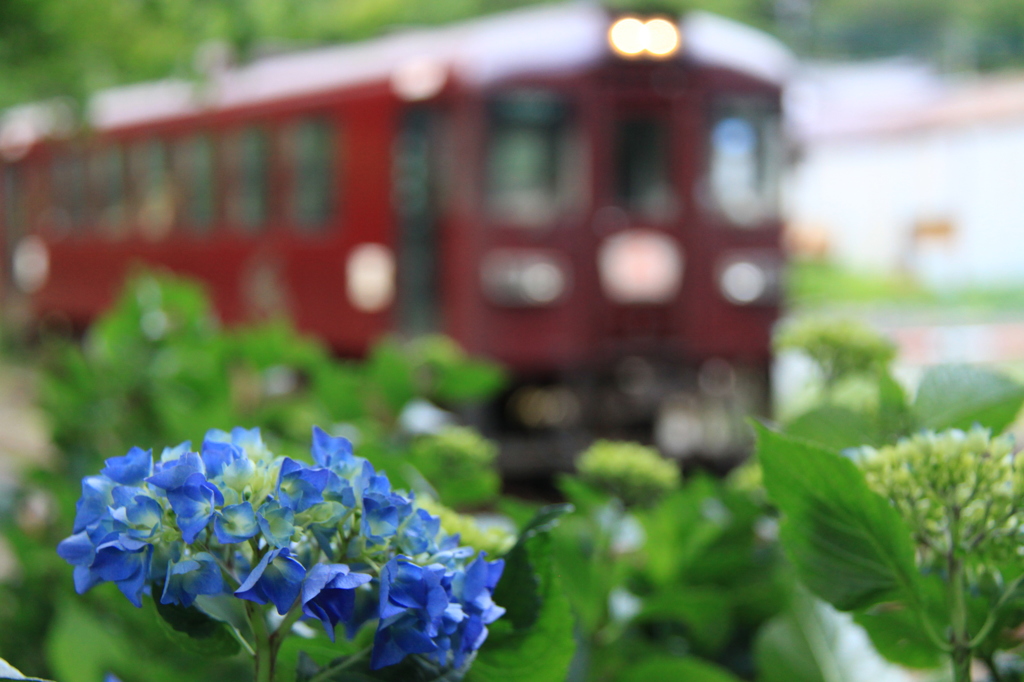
(901, 170)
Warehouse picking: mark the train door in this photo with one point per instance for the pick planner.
(639, 223)
(415, 198)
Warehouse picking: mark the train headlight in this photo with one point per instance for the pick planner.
(524, 278)
(631, 37)
(749, 279)
(640, 267)
(370, 277)
(31, 264)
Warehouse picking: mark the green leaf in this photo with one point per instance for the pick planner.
(533, 642)
(959, 396)
(811, 642)
(667, 669)
(9, 672)
(519, 590)
(896, 633)
(895, 418)
(541, 652)
(849, 546)
(835, 427)
(195, 632)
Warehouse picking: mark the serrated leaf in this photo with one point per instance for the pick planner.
(195, 632)
(670, 669)
(540, 653)
(849, 546)
(897, 635)
(959, 396)
(835, 427)
(519, 588)
(9, 672)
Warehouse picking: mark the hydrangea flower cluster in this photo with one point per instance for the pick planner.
(634, 473)
(331, 542)
(958, 491)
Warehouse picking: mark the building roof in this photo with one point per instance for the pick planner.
(892, 97)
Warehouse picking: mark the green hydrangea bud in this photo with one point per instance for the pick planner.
(494, 540)
(959, 492)
(840, 348)
(636, 474)
(460, 464)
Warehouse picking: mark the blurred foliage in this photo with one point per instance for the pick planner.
(812, 284)
(840, 348)
(860, 402)
(52, 48)
(675, 589)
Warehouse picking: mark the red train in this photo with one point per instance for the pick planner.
(589, 198)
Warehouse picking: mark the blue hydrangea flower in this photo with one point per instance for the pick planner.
(189, 578)
(334, 453)
(419, 532)
(329, 594)
(235, 523)
(173, 473)
(140, 515)
(131, 469)
(414, 601)
(299, 487)
(92, 505)
(380, 517)
(216, 455)
(125, 562)
(194, 502)
(473, 588)
(273, 517)
(277, 578)
(276, 522)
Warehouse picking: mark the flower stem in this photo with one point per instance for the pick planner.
(266, 654)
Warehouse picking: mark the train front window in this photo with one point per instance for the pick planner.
(312, 156)
(745, 162)
(197, 181)
(14, 201)
(643, 171)
(248, 163)
(528, 159)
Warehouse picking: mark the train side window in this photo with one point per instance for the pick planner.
(196, 179)
(529, 159)
(152, 200)
(248, 164)
(68, 191)
(643, 169)
(15, 202)
(746, 156)
(106, 181)
(311, 156)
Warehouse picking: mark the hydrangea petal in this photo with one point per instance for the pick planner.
(131, 469)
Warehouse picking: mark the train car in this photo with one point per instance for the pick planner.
(588, 197)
